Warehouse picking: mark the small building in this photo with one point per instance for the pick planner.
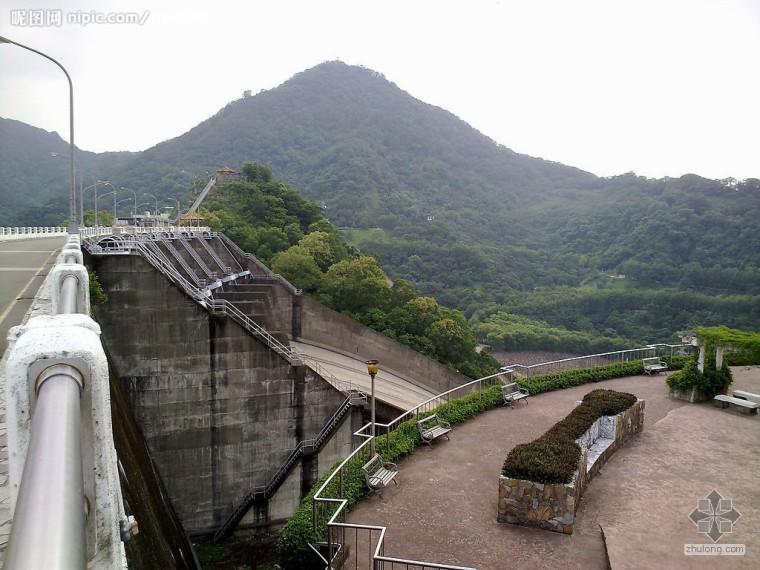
(191, 220)
(226, 174)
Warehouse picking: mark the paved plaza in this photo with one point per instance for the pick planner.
(634, 514)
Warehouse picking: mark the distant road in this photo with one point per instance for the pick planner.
(24, 264)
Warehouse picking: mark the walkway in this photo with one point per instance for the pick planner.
(444, 507)
(23, 267)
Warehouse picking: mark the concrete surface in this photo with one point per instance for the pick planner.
(444, 507)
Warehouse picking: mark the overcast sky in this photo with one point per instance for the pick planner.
(660, 88)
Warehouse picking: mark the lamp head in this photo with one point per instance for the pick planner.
(372, 367)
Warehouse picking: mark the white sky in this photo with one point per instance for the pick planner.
(658, 87)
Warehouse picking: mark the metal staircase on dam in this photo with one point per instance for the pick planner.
(268, 491)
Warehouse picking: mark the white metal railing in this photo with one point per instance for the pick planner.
(31, 232)
(333, 508)
(65, 495)
(591, 360)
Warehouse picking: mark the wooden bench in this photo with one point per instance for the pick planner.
(513, 392)
(653, 365)
(725, 402)
(432, 427)
(741, 394)
(378, 474)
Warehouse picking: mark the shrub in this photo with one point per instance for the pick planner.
(707, 383)
(553, 457)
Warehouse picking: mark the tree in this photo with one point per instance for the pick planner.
(356, 285)
(298, 266)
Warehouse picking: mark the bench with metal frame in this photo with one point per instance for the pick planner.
(513, 392)
(378, 474)
(653, 364)
(432, 427)
(725, 402)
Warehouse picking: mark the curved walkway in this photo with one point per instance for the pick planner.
(444, 507)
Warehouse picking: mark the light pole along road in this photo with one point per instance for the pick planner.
(24, 264)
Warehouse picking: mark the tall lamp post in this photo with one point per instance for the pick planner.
(107, 183)
(115, 204)
(175, 200)
(96, 206)
(134, 211)
(156, 199)
(72, 192)
(372, 368)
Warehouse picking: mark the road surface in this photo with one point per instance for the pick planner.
(24, 264)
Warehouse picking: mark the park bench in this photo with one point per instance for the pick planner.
(746, 396)
(513, 392)
(431, 427)
(725, 402)
(653, 364)
(378, 474)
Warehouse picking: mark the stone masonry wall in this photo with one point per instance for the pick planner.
(553, 506)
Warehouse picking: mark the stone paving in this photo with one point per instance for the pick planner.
(634, 514)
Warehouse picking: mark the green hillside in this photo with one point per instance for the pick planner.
(469, 222)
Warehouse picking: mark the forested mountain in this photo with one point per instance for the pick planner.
(472, 223)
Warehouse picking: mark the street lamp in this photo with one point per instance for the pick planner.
(106, 183)
(134, 211)
(373, 367)
(96, 206)
(81, 201)
(115, 204)
(156, 199)
(72, 192)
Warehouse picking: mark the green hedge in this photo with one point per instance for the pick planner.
(553, 457)
(294, 539)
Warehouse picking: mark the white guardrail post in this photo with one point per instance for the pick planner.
(65, 497)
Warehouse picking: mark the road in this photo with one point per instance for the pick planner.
(24, 264)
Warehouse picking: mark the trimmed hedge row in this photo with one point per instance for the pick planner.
(553, 457)
(295, 537)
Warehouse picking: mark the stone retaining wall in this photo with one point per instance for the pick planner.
(552, 506)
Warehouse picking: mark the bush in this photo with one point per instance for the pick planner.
(707, 383)
(553, 457)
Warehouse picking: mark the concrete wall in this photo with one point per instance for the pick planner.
(321, 326)
(219, 410)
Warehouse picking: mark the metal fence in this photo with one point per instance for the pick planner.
(591, 360)
(366, 543)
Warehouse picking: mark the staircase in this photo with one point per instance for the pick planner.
(268, 491)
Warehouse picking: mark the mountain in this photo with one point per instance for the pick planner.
(34, 184)
(465, 219)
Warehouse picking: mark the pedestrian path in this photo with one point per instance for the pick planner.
(634, 514)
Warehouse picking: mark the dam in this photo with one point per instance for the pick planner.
(244, 390)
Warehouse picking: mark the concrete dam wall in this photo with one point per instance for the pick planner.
(222, 405)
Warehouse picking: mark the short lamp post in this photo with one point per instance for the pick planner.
(373, 367)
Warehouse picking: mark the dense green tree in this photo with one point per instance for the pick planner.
(297, 265)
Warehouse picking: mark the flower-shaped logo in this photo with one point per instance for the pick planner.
(714, 516)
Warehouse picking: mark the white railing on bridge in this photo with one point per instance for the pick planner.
(65, 496)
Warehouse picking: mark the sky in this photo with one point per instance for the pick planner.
(656, 87)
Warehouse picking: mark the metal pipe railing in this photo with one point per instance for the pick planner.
(48, 528)
(68, 300)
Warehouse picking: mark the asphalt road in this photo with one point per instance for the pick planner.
(24, 264)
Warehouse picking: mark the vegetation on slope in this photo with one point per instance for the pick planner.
(271, 220)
